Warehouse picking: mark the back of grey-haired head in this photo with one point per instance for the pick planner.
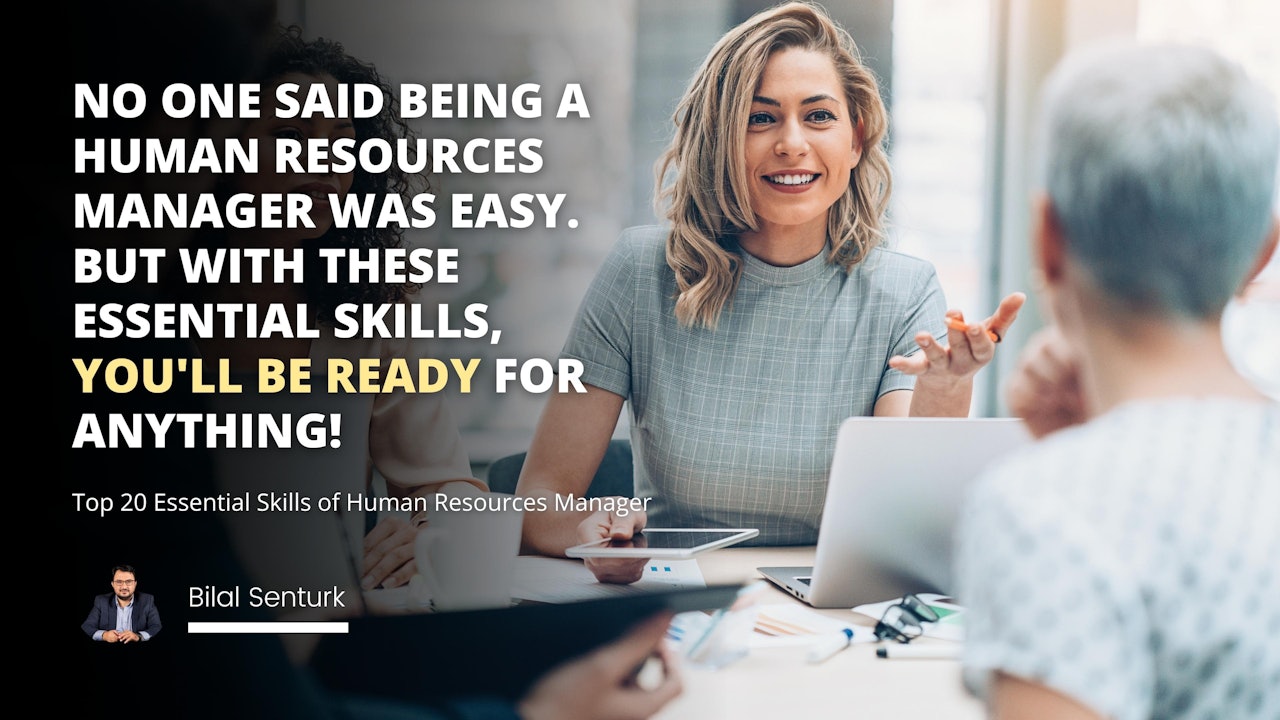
(1160, 162)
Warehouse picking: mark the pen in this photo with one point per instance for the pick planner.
(959, 325)
(720, 613)
(830, 647)
(919, 652)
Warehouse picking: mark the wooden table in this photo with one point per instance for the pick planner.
(778, 683)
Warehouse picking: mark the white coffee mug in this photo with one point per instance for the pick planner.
(467, 557)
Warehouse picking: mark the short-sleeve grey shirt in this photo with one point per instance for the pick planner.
(735, 427)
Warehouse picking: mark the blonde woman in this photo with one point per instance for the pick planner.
(764, 313)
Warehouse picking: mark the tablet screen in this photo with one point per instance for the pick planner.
(664, 543)
(683, 540)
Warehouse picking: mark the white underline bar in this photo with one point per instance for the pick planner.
(282, 628)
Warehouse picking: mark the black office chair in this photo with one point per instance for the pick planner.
(615, 476)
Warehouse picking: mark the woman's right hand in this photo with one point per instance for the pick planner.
(1044, 390)
(604, 525)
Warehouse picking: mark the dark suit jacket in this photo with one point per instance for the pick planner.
(103, 615)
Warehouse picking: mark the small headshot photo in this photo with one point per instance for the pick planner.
(123, 615)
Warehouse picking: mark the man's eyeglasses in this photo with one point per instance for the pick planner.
(124, 583)
(904, 621)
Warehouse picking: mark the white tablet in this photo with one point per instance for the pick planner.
(671, 543)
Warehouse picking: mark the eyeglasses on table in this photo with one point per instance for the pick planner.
(904, 620)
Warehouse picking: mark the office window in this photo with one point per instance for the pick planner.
(940, 55)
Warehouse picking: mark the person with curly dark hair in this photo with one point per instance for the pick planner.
(306, 63)
(298, 60)
(156, 43)
(412, 441)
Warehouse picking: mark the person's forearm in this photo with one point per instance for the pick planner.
(550, 531)
(458, 488)
(568, 445)
(950, 400)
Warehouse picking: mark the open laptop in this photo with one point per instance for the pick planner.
(895, 489)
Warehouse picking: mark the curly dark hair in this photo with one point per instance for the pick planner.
(291, 53)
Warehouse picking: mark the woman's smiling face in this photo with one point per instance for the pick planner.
(268, 129)
(801, 144)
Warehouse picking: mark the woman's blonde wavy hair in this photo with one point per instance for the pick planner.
(707, 203)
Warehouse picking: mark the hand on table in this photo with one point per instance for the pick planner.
(1044, 389)
(388, 554)
(601, 685)
(110, 636)
(966, 352)
(604, 525)
(128, 636)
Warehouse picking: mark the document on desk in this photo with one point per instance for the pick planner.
(793, 624)
(557, 580)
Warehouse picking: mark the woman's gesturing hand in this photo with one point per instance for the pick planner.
(969, 347)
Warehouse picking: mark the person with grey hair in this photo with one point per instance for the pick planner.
(1124, 565)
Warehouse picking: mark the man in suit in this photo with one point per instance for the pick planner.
(123, 615)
